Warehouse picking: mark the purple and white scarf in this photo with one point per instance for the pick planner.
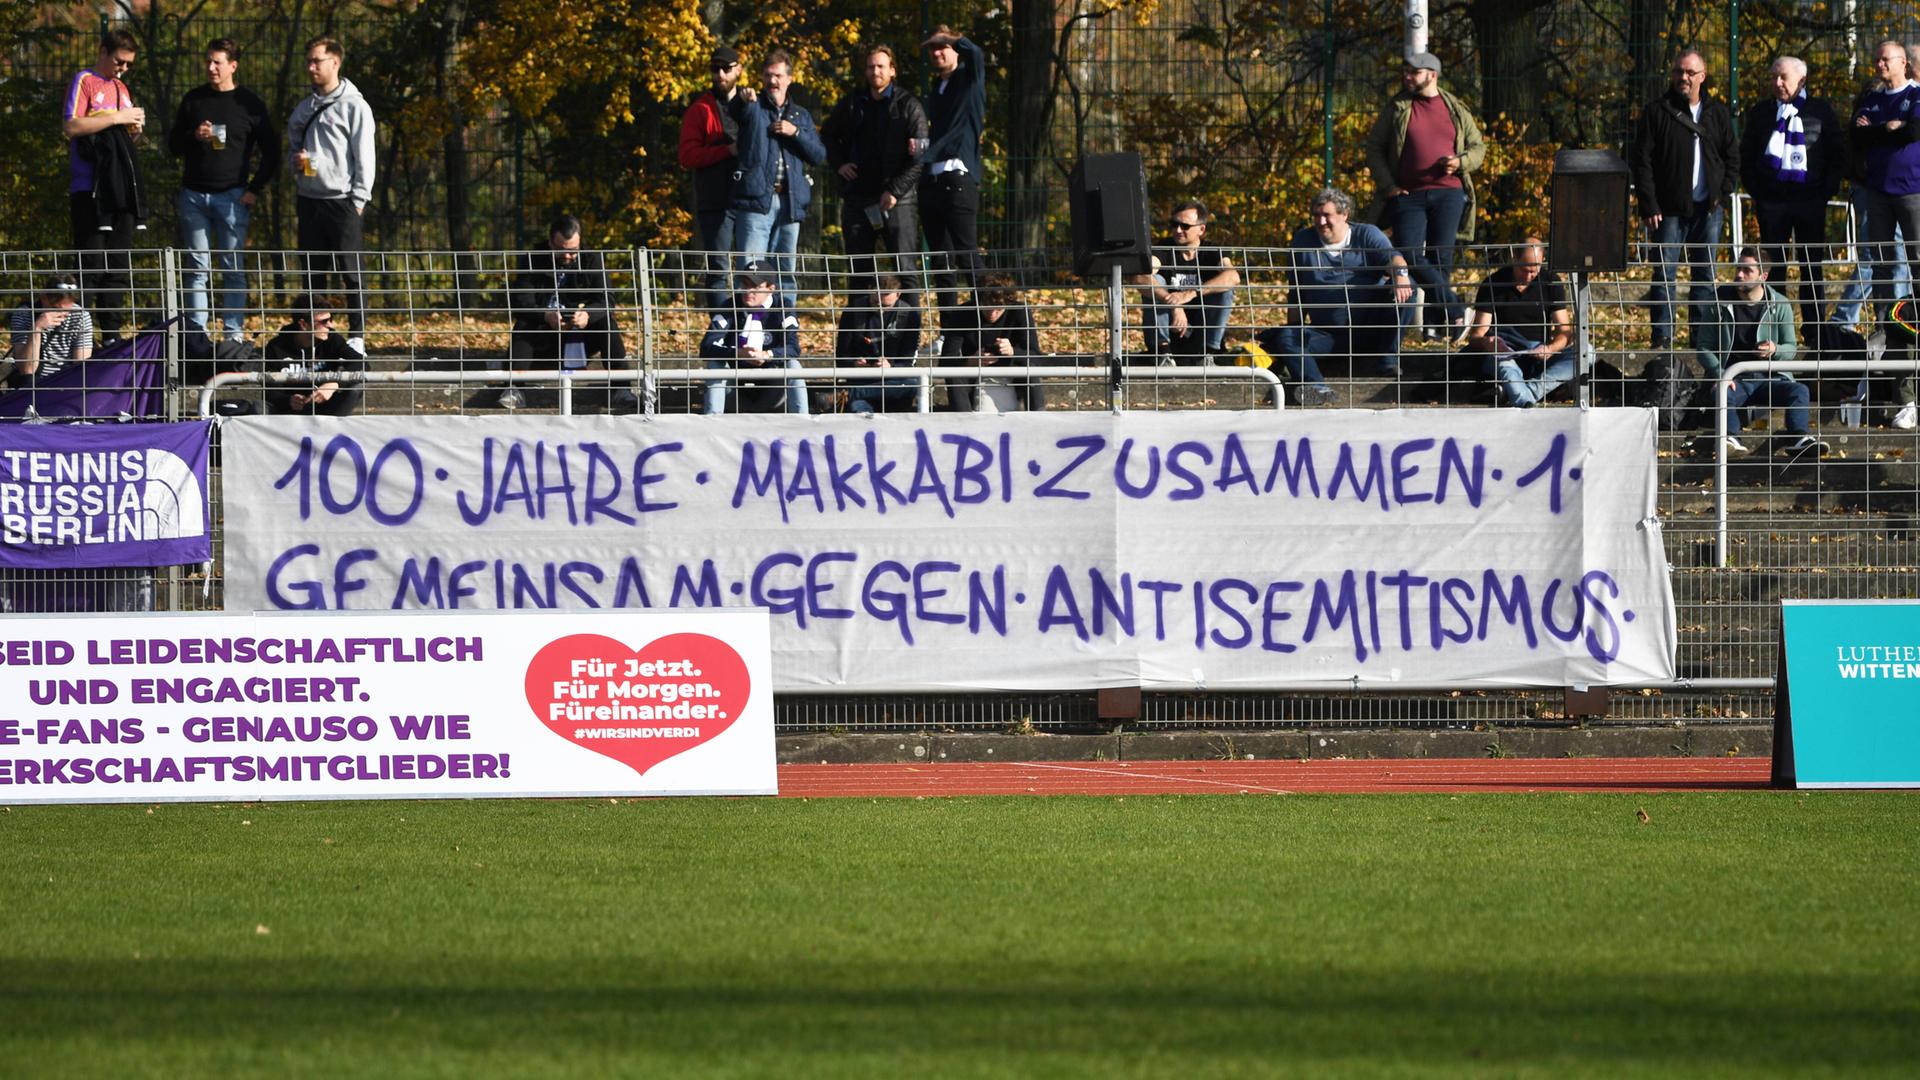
(1787, 147)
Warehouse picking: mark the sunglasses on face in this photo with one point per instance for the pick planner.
(1183, 226)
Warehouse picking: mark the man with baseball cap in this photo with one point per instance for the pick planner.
(49, 333)
(708, 133)
(1423, 151)
(755, 331)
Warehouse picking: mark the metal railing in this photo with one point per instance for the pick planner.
(1740, 536)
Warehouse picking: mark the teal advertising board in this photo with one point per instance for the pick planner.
(1849, 694)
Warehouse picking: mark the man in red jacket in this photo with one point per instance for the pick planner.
(707, 136)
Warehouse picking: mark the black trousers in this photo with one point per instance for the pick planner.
(549, 346)
(898, 233)
(106, 260)
(329, 233)
(950, 210)
(1804, 225)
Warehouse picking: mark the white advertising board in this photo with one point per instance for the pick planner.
(445, 705)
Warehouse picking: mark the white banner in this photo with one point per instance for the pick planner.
(239, 708)
(1052, 551)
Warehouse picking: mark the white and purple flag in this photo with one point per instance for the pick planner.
(103, 495)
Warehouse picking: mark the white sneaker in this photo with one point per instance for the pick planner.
(1735, 446)
(1907, 418)
(1803, 444)
(511, 398)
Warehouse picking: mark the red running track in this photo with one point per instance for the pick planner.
(1274, 777)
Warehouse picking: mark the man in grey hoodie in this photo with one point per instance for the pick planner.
(330, 150)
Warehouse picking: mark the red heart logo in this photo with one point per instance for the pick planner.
(638, 706)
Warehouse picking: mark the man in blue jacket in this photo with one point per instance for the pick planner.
(950, 188)
(773, 194)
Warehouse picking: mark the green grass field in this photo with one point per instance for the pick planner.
(1730, 934)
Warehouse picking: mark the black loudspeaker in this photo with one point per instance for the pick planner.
(1108, 194)
(1589, 216)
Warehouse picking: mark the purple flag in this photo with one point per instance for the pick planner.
(122, 376)
(90, 495)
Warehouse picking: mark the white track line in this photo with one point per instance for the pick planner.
(1155, 776)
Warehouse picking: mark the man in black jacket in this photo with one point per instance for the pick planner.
(1685, 168)
(883, 333)
(563, 310)
(1793, 155)
(308, 347)
(950, 189)
(874, 140)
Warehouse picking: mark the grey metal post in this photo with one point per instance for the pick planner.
(169, 309)
(643, 274)
(1116, 332)
(1583, 335)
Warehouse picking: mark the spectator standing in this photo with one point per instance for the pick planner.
(1347, 284)
(1524, 324)
(755, 331)
(874, 139)
(950, 188)
(48, 333)
(563, 311)
(229, 151)
(105, 201)
(330, 137)
(1886, 162)
(1685, 166)
(772, 200)
(1793, 156)
(1752, 321)
(1886, 175)
(1191, 287)
(1423, 151)
(709, 134)
(307, 347)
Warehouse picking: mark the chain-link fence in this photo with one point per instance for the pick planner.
(1813, 490)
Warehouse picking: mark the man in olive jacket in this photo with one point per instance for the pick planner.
(1423, 151)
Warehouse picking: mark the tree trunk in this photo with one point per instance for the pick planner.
(1648, 23)
(1511, 79)
(453, 148)
(1029, 119)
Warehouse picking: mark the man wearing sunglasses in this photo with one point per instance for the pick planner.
(1192, 289)
(709, 133)
(105, 202)
(307, 346)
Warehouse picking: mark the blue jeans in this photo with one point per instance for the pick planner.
(1376, 333)
(1522, 392)
(214, 222)
(777, 233)
(1694, 238)
(1425, 225)
(1208, 337)
(1885, 221)
(1776, 392)
(759, 396)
